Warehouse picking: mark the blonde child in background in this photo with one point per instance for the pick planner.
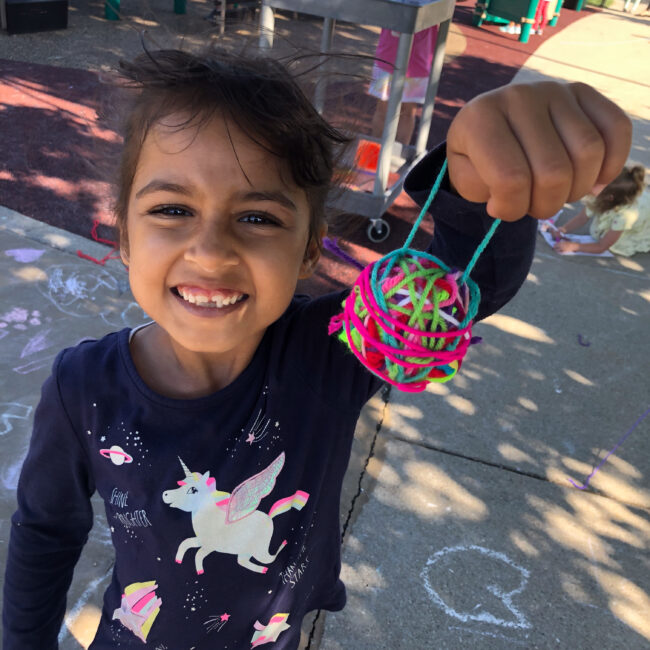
(218, 435)
(619, 214)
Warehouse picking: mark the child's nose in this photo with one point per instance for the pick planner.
(212, 248)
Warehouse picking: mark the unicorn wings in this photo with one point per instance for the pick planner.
(247, 495)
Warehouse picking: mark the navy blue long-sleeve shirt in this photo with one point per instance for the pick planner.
(223, 510)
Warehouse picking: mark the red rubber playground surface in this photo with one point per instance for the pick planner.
(54, 150)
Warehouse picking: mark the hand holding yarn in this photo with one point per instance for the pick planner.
(408, 317)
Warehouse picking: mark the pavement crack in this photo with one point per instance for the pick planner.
(385, 395)
(512, 470)
(474, 459)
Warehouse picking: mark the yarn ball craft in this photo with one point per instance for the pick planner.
(408, 317)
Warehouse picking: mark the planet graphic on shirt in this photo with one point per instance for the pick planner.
(116, 455)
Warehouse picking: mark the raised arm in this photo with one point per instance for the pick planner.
(517, 153)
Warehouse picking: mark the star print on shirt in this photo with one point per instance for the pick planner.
(216, 623)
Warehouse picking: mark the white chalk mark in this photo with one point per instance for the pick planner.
(494, 635)
(131, 316)
(12, 411)
(505, 597)
(71, 287)
(100, 533)
(15, 315)
(79, 605)
(11, 474)
(82, 291)
(24, 255)
(37, 343)
(35, 364)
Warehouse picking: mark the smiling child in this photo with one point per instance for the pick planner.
(233, 411)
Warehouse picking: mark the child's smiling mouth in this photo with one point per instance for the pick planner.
(218, 299)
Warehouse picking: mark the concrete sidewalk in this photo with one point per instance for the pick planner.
(468, 532)
(462, 529)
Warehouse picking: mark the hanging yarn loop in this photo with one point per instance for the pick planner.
(408, 317)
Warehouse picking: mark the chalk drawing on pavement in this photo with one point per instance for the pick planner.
(34, 365)
(494, 635)
(490, 602)
(83, 291)
(10, 473)
(73, 288)
(25, 321)
(10, 411)
(19, 318)
(37, 343)
(13, 417)
(24, 255)
(131, 316)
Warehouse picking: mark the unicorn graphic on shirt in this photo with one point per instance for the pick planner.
(230, 522)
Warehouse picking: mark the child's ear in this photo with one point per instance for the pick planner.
(312, 254)
(124, 251)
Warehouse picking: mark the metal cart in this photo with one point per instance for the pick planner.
(406, 17)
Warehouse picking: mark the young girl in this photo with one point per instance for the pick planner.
(219, 434)
(620, 217)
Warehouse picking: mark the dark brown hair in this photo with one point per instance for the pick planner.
(256, 93)
(621, 191)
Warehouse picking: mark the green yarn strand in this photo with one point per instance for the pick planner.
(418, 221)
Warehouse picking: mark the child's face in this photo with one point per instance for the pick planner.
(217, 236)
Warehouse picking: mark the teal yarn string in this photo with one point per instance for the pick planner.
(407, 243)
(479, 250)
(405, 249)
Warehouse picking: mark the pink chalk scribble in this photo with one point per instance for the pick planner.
(24, 255)
(609, 453)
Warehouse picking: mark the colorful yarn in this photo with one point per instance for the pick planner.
(408, 317)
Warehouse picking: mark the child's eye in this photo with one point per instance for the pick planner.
(170, 211)
(259, 219)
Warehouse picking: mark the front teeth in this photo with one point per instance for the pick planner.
(202, 300)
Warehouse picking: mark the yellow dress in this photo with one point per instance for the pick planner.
(633, 220)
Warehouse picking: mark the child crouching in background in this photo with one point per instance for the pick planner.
(619, 214)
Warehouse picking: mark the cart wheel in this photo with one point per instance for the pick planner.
(378, 230)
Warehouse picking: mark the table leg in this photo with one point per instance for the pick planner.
(432, 88)
(222, 17)
(325, 46)
(112, 9)
(392, 113)
(267, 25)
